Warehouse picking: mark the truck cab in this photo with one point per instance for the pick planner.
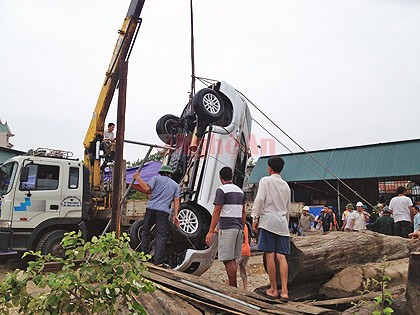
(43, 194)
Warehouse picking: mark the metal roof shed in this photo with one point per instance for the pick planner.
(383, 160)
(361, 167)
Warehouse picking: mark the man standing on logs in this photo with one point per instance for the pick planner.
(401, 208)
(270, 215)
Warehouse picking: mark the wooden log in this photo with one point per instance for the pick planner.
(349, 281)
(348, 300)
(413, 284)
(321, 256)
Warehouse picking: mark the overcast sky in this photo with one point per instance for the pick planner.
(331, 73)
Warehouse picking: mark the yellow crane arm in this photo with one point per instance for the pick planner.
(126, 38)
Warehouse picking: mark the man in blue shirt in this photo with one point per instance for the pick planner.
(163, 191)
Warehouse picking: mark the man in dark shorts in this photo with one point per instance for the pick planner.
(229, 215)
(270, 215)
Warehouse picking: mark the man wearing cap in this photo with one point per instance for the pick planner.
(347, 216)
(401, 210)
(384, 224)
(305, 221)
(359, 218)
(163, 192)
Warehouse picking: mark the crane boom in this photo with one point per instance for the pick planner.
(95, 132)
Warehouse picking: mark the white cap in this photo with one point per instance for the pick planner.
(306, 208)
(359, 204)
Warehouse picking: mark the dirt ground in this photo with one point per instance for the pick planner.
(257, 276)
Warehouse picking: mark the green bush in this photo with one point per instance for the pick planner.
(102, 276)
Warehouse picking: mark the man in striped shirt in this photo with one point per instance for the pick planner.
(229, 216)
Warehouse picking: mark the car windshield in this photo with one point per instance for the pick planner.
(7, 176)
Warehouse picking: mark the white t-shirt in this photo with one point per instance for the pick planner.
(400, 207)
(348, 218)
(359, 221)
(109, 134)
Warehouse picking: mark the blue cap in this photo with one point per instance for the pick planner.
(330, 207)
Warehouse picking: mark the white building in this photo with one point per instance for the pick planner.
(5, 134)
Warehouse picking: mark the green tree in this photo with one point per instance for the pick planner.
(102, 276)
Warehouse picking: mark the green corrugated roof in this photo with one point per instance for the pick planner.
(6, 154)
(4, 128)
(390, 159)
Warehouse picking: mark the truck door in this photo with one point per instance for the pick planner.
(38, 199)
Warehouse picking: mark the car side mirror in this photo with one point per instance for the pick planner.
(24, 174)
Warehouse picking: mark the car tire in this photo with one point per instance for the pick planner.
(135, 235)
(167, 127)
(208, 105)
(50, 243)
(191, 222)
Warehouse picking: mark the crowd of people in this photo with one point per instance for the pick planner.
(401, 218)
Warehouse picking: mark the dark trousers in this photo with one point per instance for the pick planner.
(161, 219)
(403, 228)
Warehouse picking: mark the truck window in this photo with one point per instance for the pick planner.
(7, 176)
(41, 177)
(74, 178)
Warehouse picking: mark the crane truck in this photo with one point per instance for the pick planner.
(47, 192)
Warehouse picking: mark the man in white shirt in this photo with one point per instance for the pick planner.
(270, 214)
(359, 218)
(401, 207)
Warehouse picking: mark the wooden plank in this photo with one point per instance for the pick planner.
(151, 305)
(208, 308)
(201, 295)
(251, 298)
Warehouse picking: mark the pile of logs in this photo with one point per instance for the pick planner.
(334, 265)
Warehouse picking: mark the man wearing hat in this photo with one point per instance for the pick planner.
(359, 218)
(347, 216)
(163, 191)
(305, 221)
(384, 224)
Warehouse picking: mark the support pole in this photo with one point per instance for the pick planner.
(412, 293)
(338, 201)
(118, 166)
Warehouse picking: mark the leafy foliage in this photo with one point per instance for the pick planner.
(102, 276)
(383, 301)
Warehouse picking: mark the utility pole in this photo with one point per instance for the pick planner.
(119, 149)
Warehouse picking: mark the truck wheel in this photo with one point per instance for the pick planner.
(50, 243)
(191, 222)
(208, 105)
(167, 127)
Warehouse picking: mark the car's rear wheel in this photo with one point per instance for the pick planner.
(208, 105)
(167, 128)
(135, 235)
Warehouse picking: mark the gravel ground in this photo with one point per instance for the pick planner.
(257, 276)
